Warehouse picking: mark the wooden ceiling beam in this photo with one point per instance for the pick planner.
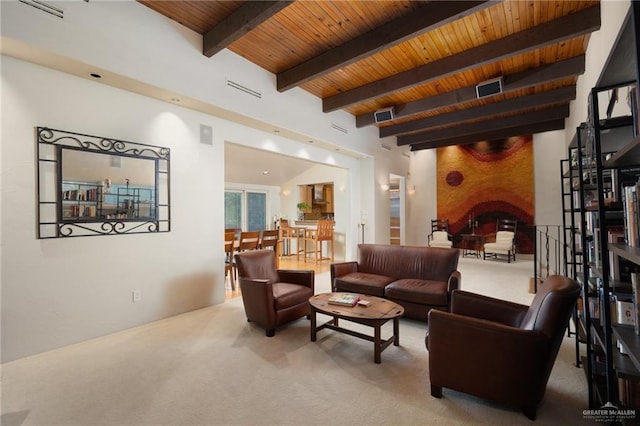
(548, 114)
(528, 129)
(244, 19)
(545, 74)
(562, 95)
(582, 22)
(391, 34)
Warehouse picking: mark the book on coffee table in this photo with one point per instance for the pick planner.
(343, 299)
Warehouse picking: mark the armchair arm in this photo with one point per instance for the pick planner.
(257, 297)
(341, 269)
(301, 277)
(485, 358)
(487, 308)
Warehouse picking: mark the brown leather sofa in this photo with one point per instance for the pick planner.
(418, 278)
(272, 297)
(500, 350)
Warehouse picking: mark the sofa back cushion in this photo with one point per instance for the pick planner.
(428, 263)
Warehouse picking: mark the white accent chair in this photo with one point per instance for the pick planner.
(440, 239)
(504, 244)
(439, 236)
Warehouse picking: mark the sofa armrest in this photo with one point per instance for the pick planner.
(300, 277)
(487, 308)
(464, 351)
(341, 269)
(454, 281)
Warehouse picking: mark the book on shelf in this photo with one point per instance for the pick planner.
(635, 288)
(625, 312)
(629, 392)
(630, 212)
(344, 299)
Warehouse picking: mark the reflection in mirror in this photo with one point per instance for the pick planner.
(103, 186)
(90, 185)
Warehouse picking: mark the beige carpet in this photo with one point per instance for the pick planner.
(211, 367)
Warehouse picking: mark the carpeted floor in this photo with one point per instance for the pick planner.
(211, 367)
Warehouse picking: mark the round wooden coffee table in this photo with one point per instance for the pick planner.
(375, 315)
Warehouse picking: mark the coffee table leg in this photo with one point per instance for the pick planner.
(313, 324)
(396, 331)
(377, 344)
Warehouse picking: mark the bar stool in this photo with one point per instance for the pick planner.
(288, 235)
(323, 232)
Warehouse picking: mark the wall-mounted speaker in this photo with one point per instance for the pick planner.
(206, 134)
(489, 88)
(383, 115)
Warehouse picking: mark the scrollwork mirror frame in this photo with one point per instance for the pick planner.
(50, 221)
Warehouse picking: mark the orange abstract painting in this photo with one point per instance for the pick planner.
(487, 181)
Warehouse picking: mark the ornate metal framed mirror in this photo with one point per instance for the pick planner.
(92, 185)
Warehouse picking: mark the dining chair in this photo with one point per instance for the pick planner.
(269, 239)
(229, 245)
(249, 240)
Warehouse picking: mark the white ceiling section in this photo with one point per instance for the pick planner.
(247, 166)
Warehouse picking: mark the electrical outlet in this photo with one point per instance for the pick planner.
(136, 295)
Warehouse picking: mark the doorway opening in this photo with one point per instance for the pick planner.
(396, 210)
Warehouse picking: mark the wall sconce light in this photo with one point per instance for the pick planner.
(384, 186)
(286, 192)
(412, 190)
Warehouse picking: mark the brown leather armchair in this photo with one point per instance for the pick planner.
(271, 296)
(500, 350)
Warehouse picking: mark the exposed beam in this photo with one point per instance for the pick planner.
(529, 129)
(241, 21)
(548, 114)
(550, 97)
(395, 32)
(532, 77)
(573, 25)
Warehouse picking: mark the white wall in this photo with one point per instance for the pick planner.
(548, 150)
(61, 291)
(422, 204)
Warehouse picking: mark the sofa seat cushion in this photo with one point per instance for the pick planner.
(414, 290)
(361, 282)
(287, 295)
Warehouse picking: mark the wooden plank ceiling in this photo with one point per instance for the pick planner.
(423, 59)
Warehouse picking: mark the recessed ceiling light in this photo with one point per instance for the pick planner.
(176, 100)
(310, 141)
(276, 131)
(266, 172)
(95, 75)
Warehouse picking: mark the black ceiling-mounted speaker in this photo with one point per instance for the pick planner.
(489, 88)
(383, 115)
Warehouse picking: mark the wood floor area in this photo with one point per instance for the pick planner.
(286, 262)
